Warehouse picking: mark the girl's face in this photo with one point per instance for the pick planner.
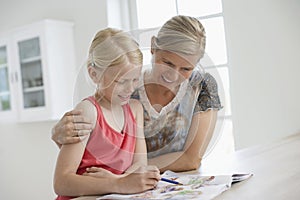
(171, 69)
(120, 81)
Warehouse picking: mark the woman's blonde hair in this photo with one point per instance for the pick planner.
(112, 47)
(181, 34)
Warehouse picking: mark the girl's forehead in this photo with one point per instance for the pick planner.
(124, 70)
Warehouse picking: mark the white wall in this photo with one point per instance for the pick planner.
(27, 154)
(263, 46)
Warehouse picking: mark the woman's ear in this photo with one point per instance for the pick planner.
(153, 44)
(93, 74)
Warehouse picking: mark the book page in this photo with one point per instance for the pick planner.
(194, 186)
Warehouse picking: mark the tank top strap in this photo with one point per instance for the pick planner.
(129, 121)
(129, 118)
(93, 100)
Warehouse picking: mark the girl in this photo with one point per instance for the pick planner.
(116, 143)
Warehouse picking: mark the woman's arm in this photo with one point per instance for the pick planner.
(199, 136)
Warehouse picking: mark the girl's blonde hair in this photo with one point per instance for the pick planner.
(112, 47)
(183, 35)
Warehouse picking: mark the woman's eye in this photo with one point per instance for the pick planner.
(168, 63)
(120, 82)
(187, 69)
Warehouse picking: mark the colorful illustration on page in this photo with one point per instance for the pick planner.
(194, 187)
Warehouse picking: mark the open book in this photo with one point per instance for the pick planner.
(194, 186)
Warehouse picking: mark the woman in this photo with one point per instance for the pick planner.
(180, 103)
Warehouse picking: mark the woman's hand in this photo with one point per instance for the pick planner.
(72, 125)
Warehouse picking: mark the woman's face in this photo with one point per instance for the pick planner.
(171, 69)
(120, 81)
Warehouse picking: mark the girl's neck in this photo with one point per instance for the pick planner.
(113, 114)
(107, 104)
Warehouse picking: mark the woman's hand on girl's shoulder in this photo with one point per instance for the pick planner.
(70, 127)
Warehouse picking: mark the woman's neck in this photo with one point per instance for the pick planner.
(159, 96)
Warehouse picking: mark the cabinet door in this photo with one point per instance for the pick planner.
(5, 88)
(33, 92)
(7, 83)
(35, 65)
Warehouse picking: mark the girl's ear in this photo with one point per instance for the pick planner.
(93, 74)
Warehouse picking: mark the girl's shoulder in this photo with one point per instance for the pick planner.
(89, 110)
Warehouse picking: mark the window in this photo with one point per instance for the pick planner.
(146, 15)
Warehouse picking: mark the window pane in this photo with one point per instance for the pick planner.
(215, 42)
(4, 102)
(3, 59)
(222, 77)
(29, 48)
(4, 84)
(198, 8)
(143, 37)
(154, 13)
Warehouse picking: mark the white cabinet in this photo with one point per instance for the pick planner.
(37, 71)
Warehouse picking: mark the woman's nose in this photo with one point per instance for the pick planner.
(172, 75)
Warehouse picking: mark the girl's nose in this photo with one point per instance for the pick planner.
(130, 87)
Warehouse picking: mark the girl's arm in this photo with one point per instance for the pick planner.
(199, 136)
(66, 181)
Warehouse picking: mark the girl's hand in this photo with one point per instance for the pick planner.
(98, 172)
(144, 178)
(70, 127)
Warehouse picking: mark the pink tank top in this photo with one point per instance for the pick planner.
(108, 148)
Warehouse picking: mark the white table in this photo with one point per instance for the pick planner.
(276, 169)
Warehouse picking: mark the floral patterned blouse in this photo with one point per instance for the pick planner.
(166, 131)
